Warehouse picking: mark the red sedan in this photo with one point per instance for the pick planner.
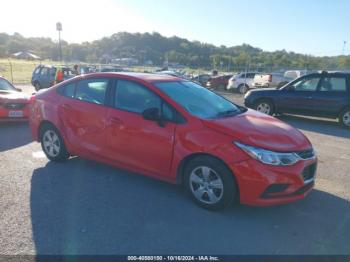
(13, 103)
(177, 131)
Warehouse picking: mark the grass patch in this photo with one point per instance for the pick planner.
(17, 71)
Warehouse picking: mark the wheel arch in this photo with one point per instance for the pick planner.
(182, 165)
(343, 109)
(269, 99)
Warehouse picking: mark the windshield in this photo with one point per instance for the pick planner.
(198, 101)
(5, 85)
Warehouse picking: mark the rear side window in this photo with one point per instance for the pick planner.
(134, 97)
(93, 91)
(333, 84)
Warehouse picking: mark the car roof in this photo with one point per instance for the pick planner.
(146, 77)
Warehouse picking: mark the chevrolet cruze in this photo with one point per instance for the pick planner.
(177, 131)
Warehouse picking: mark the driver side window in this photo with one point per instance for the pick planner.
(135, 98)
(307, 84)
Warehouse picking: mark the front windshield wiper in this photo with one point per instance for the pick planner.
(228, 113)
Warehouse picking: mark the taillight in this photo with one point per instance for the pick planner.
(32, 99)
(270, 78)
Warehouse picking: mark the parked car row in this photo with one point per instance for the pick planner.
(45, 76)
(196, 137)
(245, 81)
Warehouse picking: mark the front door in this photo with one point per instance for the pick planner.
(134, 142)
(297, 98)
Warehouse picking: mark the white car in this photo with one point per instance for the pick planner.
(241, 82)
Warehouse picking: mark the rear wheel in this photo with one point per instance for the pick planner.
(344, 118)
(210, 183)
(53, 144)
(243, 89)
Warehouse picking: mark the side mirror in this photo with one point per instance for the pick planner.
(153, 114)
(289, 88)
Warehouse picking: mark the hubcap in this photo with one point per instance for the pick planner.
(206, 185)
(346, 118)
(51, 143)
(264, 108)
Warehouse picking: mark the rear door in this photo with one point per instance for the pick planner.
(134, 142)
(297, 97)
(332, 95)
(83, 112)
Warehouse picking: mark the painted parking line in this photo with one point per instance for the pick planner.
(38, 154)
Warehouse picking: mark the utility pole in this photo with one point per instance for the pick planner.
(59, 29)
(344, 45)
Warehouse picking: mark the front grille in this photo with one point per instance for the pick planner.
(307, 154)
(309, 172)
(14, 106)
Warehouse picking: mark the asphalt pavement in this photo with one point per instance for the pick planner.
(83, 207)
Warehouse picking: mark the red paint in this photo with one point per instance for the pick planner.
(128, 141)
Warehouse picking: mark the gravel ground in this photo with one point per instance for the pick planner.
(82, 207)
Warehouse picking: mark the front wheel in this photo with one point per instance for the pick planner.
(265, 107)
(53, 144)
(344, 118)
(210, 183)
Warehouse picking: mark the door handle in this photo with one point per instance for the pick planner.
(115, 120)
(66, 106)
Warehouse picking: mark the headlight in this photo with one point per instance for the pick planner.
(269, 157)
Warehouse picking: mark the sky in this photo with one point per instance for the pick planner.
(316, 27)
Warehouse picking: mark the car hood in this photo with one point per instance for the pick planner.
(260, 130)
(13, 96)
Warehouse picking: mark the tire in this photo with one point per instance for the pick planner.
(243, 89)
(264, 106)
(52, 144)
(199, 176)
(344, 118)
(37, 86)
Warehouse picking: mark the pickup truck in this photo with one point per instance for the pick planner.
(270, 80)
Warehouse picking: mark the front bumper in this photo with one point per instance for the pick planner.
(265, 185)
